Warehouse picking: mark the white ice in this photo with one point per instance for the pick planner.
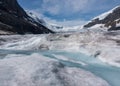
(37, 70)
(93, 43)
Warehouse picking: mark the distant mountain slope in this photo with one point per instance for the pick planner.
(109, 20)
(35, 18)
(14, 20)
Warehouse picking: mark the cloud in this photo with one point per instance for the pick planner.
(65, 22)
(70, 9)
(74, 12)
(55, 7)
(77, 22)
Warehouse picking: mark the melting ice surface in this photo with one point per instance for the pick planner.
(54, 68)
(30, 67)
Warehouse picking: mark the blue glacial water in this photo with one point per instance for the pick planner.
(109, 73)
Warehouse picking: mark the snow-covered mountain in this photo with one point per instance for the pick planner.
(14, 20)
(52, 26)
(107, 21)
(35, 18)
(72, 29)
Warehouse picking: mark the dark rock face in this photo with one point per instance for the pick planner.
(110, 20)
(14, 19)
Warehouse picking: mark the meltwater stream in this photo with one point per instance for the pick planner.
(54, 68)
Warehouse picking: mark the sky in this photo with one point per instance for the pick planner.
(68, 12)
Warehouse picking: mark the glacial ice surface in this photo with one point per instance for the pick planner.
(38, 70)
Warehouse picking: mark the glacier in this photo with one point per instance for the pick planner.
(90, 43)
(65, 59)
(37, 70)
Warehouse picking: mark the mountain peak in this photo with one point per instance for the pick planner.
(109, 19)
(14, 19)
(12, 6)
